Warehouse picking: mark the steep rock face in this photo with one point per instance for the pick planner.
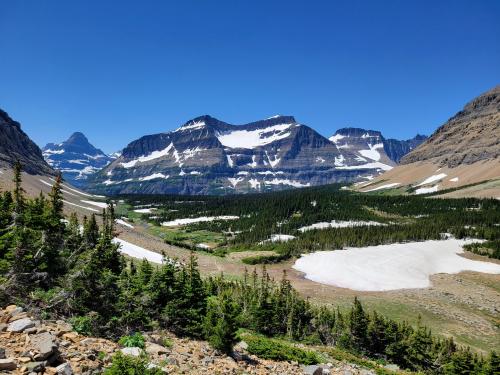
(372, 146)
(76, 158)
(472, 135)
(16, 145)
(396, 149)
(209, 156)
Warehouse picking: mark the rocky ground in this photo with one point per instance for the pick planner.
(32, 346)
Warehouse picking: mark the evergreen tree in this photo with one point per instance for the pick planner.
(221, 322)
(358, 325)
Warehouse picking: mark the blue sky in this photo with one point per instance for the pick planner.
(117, 70)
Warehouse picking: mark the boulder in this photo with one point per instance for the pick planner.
(2, 353)
(37, 366)
(43, 344)
(20, 325)
(313, 370)
(7, 364)
(155, 349)
(64, 369)
(134, 351)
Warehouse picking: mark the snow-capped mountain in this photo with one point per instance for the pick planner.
(371, 146)
(209, 156)
(76, 158)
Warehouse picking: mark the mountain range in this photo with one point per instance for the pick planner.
(209, 156)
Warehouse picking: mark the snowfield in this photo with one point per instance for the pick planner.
(138, 252)
(390, 267)
(433, 178)
(387, 186)
(338, 224)
(124, 223)
(278, 238)
(178, 222)
(254, 138)
(432, 189)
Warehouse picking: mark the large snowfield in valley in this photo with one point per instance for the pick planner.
(389, 267)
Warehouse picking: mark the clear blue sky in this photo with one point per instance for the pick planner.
(117, 70)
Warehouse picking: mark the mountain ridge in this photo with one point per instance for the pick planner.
(209, 156)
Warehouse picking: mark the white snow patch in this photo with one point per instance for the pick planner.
(254, 183)
(372, 153)
(337, 137)
(191, 126)
(124, 223)
(433, 178)
(242, 173)
(144, 210)
(138, 252)
(281, 181)
(339, 224)
(235, 181)
(51, 152)
(427, 190)
(230, 161)
(454, 179)
(374, 165)
(178, 222)
(278, 238)
(97, 204)
(254, 138)
(203, 246)
(390, 267)
(386, 186)
(154, 155)
(154, 176)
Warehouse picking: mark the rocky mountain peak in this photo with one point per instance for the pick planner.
(76, 158)
(472, 135)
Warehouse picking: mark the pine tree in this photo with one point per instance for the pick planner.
(358, 325)
(221, 322)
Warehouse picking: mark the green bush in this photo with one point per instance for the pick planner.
(128, 365)
(82, 324)
(279, 351)
(264, 259)
(134, 341)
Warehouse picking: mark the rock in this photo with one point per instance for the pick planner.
(2, 353)
(44, 345)
(242, 345)
(7, 364)
(38, 366)
(64, 369)
(173, 361)
(313, 370)
(16, 311)
(134, 351)
(366, 372)
(156, 349)
(3, 327)
(10, 308)
(20, 325)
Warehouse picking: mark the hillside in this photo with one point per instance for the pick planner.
(461, 158)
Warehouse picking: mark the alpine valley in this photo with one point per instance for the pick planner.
(209, 156)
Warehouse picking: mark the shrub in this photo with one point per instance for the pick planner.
(82, 324)
(128, 365)
(277, 350)
(134, 341)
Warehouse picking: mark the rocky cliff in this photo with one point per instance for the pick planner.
(16, 145)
